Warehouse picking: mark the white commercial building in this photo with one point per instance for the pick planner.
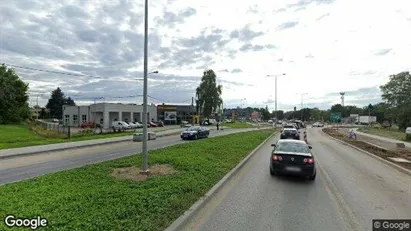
(106, 113)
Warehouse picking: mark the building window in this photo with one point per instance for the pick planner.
(66, 119)
(83, 118)
(75, 119)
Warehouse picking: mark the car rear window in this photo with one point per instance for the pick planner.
(292, 147)
(290, 132)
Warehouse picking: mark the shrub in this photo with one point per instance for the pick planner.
(407, 137)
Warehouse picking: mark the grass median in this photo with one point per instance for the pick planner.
(238, 125)
(384, 132)
(91, 198)
(367, 146)
(19, 135)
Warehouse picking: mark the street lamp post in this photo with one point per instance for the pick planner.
(302, 104)
(276, 113)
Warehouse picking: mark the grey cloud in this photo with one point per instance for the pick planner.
(304, 3)
(362, 92)
(309, 56)
(194, 50)
(280, 60)
(253, 9)
(250, 47)
(280, 10)
(323, 16)
(383, 51)
(269, 101)
(224, 70)
(171, 19)
(73, 12)
(236, 70)
(287, 25)
(245, 34)
(26, 4)
(88, 35)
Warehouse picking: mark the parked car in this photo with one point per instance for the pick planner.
(89, 124)
(290, 133)
(195, 132)
(185, 124)
(292, 157)
(408, 130)
(318, 124)
(55, 120)
(120, 125)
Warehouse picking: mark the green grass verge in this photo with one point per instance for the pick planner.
(88, 198)
(19, 135)
(384, 132)
(238, 125)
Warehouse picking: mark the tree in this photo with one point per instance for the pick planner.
(13, 97)
(56, 102)
(396, 94)
(208, 94)
(265, 113)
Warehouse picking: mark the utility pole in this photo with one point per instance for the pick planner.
(276, 113)
(302, 105)
(145, 151)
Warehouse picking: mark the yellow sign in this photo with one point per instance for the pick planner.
(167, 108)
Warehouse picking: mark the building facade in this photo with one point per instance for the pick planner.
(174, 114)
(106, 113)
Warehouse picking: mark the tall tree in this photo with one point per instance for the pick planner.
(397, 93)
(208, 94)
(56, 102)
(13, 97)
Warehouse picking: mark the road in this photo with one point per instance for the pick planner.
(350, 190)
(18, 168)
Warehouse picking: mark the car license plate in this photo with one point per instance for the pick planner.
(293, 169)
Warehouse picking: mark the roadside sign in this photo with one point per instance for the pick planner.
(335, 117)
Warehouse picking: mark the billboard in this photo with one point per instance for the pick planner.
(170, 115)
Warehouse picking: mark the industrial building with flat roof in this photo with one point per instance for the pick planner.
(106, 113)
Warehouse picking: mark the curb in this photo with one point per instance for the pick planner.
(181, 221)
(391, 164)
(75, 147)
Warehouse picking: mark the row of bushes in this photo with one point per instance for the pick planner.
(408, 137)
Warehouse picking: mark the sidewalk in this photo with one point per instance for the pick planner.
(392, 142)
(6, 153)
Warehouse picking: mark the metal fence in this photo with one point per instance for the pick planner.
(59, 128)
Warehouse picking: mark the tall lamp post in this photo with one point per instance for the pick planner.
(302, 104)
(276, 113)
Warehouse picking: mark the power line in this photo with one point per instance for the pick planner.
(54, 72)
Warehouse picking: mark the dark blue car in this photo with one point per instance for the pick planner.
(195, 132)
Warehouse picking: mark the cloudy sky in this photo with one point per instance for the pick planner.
(323, 46)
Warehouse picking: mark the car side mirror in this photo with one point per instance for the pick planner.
(310, 147)
(272, 145)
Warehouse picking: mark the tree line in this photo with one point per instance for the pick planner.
(394, 109)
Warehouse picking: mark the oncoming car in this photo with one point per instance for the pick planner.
(292, 157)
(195, 132)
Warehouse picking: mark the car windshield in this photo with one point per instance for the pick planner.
(292, 147)
(193, 128)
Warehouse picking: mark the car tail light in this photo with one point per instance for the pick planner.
(277, 158)
(308, 160)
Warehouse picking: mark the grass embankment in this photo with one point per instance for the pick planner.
(384, 132)
(16, 136)
(238, 125)
(89, 198)
(383, 153)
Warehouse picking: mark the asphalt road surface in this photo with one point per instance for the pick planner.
(18, 168)
(350, 190)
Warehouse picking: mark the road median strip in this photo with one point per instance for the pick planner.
(70, 199)
(379, 153)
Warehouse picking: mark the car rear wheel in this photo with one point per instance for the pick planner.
(195, 137)
(312, 178)
(272, 172)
